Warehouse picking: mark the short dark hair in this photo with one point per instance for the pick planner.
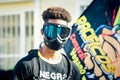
(56, 13)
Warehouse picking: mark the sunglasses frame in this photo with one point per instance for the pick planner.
(59, 25)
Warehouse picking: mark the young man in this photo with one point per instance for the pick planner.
(48, 63)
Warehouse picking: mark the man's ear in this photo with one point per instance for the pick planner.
(41, 31)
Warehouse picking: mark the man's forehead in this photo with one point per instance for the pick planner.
(57, 21)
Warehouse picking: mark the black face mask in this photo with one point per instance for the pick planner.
(55, 35)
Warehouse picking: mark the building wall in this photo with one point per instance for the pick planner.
(16, 6)
(14, 41)
(21, 9)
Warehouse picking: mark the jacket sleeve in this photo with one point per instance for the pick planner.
(76, 73)
(21, 71)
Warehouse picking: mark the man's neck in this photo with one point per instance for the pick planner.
(49, 54)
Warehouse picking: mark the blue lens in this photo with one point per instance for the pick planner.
(53, 30)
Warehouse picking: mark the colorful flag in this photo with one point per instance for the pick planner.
(94, 45)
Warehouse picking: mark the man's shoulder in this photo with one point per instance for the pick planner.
(31, 55)
(70, 62)
(67, 58)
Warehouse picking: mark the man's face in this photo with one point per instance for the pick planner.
(56, 31)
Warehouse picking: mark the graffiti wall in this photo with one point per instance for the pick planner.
(94, 45)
